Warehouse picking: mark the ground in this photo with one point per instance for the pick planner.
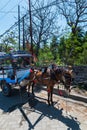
(81, 92)
(68, 113)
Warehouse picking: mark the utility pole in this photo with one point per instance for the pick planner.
(23, 35)
(30, 29)
(19, 24)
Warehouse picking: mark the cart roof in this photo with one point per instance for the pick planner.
(20, 54)
(15, 54)
(3, 55)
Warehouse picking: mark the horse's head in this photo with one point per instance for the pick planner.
(32, 74)
(37, 75)
(67, 80)
(58, 74)
(69, 76)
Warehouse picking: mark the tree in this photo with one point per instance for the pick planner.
(62, 50)
(70, 49)
(45, 55)
(83, 55)
(54, 47)
(43, 22)
(9, 42)
(75, 13)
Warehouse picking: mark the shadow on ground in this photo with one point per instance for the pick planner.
(52, 113)
(8, 104)
(71, 96)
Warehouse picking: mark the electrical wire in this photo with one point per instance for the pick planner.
(5, 5)
(9, 10)
(5, 12)
(51, 4)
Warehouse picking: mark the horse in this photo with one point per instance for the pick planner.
(49, 76)
(44, 78)
(67, 76)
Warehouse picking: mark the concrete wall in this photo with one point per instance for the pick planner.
(81, 73)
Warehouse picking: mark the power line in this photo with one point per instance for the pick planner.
(5, 5)
(5, 12)
(16, 23)
(10, 10)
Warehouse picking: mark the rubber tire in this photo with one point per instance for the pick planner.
(6, 89)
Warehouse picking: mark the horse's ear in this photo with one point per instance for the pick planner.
(45, 69)
(70, 67)
(63, 79)
(70, 71)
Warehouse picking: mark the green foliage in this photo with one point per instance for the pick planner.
(45, 55)
(9, 42)
(83, 55)
(54, 47)
(71, 49)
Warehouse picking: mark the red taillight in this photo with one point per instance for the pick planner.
(31, 70)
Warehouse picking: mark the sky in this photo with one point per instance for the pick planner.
(9, 12)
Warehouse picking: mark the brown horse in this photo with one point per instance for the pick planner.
(45, 78)
(51, 76)
(67, 75)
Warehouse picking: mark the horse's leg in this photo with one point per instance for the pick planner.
(31, 85)
(51, 95)
(48, 98)
(28, 89)
(33, 88)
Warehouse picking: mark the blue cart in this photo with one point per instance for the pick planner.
(14, 70)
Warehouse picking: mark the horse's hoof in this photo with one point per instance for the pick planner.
(33, 94)
(52, 104)
(28, 94)
(49, 104)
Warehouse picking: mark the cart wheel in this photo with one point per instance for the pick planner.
(6, 89)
